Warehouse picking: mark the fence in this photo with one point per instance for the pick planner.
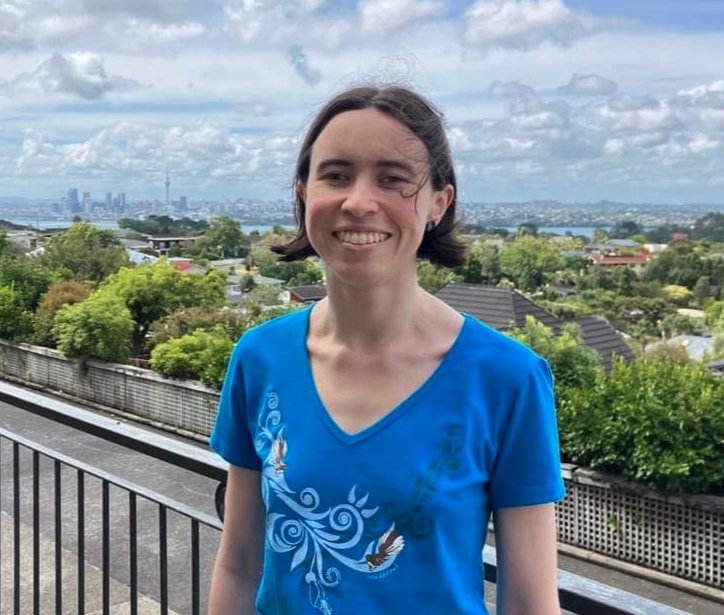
(151, 553)
(681, 535)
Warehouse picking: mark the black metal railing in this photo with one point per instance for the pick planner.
(71, 536)
(127, 532)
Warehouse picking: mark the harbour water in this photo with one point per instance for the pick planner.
(53, 223)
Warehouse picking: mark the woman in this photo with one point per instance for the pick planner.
(371, 435)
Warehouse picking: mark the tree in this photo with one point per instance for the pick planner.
(710, 227)
(15, 322)
(679, 264)
(528, 228)
(265, 294)
(164, 225)
(482, 266)
(188, 320)
(65, 292)
(26, 276)
(678, 324)
(572, 363)
(266, 261)
(98, 328)
(87, 252)
(624, 229)
(433, 277)
(224, 238)
(625, 279)
(202, 354)
(528, 260)
(312, 274)
(153, 291)
(680, 295)
(702, 291)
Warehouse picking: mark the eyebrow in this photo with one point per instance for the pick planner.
(402, 165)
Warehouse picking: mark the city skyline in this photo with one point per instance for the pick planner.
(545, 99)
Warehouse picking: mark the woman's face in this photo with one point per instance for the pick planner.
(364, 214)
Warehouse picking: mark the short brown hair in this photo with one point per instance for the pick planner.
(420, 116)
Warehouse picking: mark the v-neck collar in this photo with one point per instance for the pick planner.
(394, 413)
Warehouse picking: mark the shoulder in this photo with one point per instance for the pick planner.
(504, 359)
(272, 336)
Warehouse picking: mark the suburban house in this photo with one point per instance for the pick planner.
(636, 263)
(505, 309)
(163, 244)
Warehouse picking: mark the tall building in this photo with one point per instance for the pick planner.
(183, 204)
(109, 201)
(86, 203)
(73, 204)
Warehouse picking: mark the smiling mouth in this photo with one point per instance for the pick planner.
(361, 238)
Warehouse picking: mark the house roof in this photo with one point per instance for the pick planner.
(600, 335)
(623, 260)
(312, 292)
(496, 307)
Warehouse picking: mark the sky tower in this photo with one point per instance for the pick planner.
(168, 186)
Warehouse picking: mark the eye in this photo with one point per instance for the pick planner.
(393, 180)
(334, 177)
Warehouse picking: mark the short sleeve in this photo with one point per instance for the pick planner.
(231, 437)
(527, 467)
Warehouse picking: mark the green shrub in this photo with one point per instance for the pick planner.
(99, 327)
(657, 421)
(202, 355)
(572, 363)
(186, 321)
(15, 322)
(66, 292)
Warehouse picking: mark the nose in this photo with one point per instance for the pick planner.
(361, 200)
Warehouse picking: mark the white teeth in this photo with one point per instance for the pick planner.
(362, 238)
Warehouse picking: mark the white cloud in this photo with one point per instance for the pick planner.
(588, 85)
(634, 114)
(268, 20)
(199, 154)
(381, 17)
(512, 89)
(77, 74)
(526, 24)
(533, 114)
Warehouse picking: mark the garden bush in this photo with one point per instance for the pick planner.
(657, 421)
(202, 355)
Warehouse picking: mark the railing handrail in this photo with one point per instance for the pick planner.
(170, 450)
(112, 479)
(577, 594)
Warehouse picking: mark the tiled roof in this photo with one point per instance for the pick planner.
(309, 293)
(623, 260)
(496, 307)
(600, 335)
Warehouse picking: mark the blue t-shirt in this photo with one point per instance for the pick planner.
(393, 519)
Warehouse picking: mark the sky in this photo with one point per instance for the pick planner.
(572, 100)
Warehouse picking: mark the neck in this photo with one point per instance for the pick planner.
(370, 318)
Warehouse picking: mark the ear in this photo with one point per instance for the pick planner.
(301, 191)
(443, 198)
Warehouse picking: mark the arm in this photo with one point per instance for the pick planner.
(525, 540)
(238, 567)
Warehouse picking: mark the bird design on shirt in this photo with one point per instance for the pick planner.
(388, 545)
(278, 451)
